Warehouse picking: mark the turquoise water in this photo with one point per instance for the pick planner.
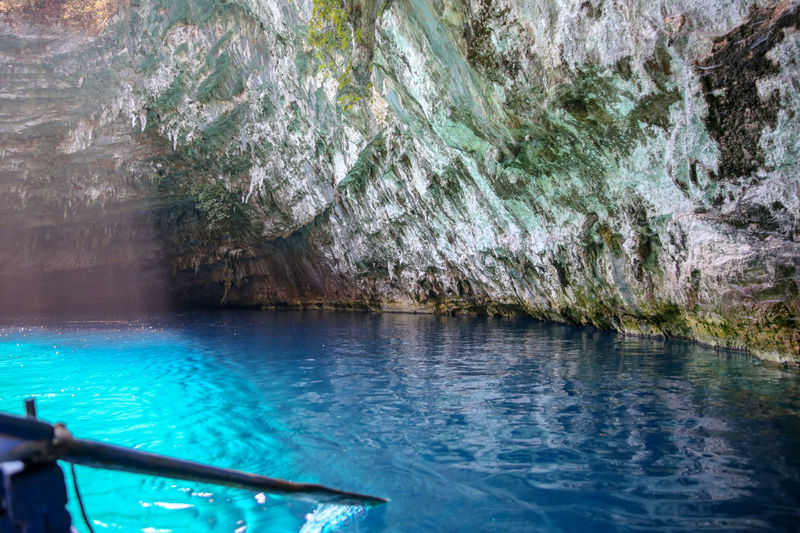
(467, 424)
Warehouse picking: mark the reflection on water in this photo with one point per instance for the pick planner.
(465, 423)
(327, 517)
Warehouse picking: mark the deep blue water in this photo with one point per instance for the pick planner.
(467, 424)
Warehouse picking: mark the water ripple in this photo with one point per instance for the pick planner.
(466, 424)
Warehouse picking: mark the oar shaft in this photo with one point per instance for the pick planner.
(28, 439)
(25, 428)
(101, 455)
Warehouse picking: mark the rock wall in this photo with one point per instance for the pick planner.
(77, 207)
(622, 163)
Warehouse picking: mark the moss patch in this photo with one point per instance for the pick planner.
(223, 83)
(217, 134)
(366, 168)
(169, 99)
(221, 208)
(478, 38)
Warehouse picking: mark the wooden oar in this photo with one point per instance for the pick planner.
(34, 443)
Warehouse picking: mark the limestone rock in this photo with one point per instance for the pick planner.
(596, 162)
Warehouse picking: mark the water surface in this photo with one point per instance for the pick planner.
(467, 424)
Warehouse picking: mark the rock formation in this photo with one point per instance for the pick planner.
(622, 163)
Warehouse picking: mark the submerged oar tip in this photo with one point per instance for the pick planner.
(379, 501)
(340, 497)
(373, 501)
